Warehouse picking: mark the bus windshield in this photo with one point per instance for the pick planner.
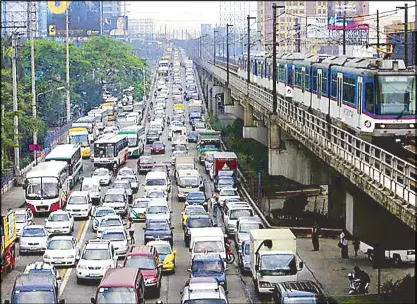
(81, 139)
(132, 141)
(104, 150)
(42, 188)
(397, 95)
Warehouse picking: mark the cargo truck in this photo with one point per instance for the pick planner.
(273, 257)
(8, 241)
(208, 140)
(226, 161)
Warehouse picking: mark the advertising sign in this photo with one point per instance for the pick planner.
(115, 26)
(83, 17)
(35, 147)
(353, 10)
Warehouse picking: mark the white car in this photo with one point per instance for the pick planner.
(96, 257)
(109, 222)
(61, 250)
(138, 209)
(116, 199)
(126, 171)
(132, 179)
(156, 196)
(104, 175)
(158, 211)
(24, 217)
(110, 130)
(33, 238)
(227, 193)
(128, 108)
(79, 204)
(98, 213)
(133, 118)
(118, 238)
(204, 289)
(59, 222)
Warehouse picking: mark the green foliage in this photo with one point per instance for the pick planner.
(214, 122)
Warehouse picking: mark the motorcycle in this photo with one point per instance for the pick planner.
(149, 118)
(115, 169)
(230, 256)
(355, 286)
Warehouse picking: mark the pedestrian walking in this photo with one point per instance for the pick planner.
(343, 245)
(131, 228)
(356, 244)
(315, 231)
(214, 203)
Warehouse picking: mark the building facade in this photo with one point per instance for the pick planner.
(112, 8)
(16, 16)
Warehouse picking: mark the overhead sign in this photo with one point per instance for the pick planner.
(35, 147)
(351, 11)
(83, 18)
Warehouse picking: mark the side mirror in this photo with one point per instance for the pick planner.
(226, 292)
(189, 269)
(172, 228)
(77, 257)
(301, 265)
(144, 228)
(59, 278)
(46, 220)
(226, 269)
(174, 251)
(92, 300)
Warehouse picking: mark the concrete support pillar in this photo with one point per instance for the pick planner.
(227, 96)
(248, 115)
(209, 87)
(216, 90)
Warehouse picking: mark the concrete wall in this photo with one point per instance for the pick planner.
(259, 133)
(236, 109)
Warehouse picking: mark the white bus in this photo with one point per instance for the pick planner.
(70, 153)
(110, 150)
(136, 139)
(47, 186)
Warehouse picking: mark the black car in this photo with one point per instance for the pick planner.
(192, 137)
(152, 136)
(299, 292)
(158, 229)
(196, 198)
(196, 221)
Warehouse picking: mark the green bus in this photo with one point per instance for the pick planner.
(136, 139)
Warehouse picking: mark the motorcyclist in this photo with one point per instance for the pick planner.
(115, 169)
(149, 117)
(168, 121)
(362, 278)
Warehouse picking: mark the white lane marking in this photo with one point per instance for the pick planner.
(68, 274)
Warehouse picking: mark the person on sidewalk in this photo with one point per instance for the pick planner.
(315, 231)
(343, 245)
(356, 244)
(131, 228)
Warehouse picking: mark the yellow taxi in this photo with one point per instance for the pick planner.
(191, 209)
(166, 254)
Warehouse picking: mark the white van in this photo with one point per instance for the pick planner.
(188, 180)
(157, 125)
(92, 186)
(157, 181)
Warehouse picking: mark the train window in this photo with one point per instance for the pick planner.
(307, 79)
(324, 84)
(396, 95)
(333, 91)
(281, 72)
(349, 89)
(369, 97)
(314, 89)
(298, 77)
(291, 77)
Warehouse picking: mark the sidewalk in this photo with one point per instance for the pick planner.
(331, 271)
(13, 198)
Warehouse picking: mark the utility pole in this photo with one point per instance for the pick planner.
(214, 46)
(298, 27)
(227, 51)
(68, 100)
(405, 8)
(377, 32)
(15, 118)
(274, 58)
(344, 33)
(32, 64)
(248, 64)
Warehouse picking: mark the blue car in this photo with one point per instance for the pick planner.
(196, 198)
(158, 229)
(244, 257)
(192, 137)
(209, 265)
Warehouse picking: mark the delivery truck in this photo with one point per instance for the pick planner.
(8, 241)
(273, 258)
(223, 161)
(207, 240)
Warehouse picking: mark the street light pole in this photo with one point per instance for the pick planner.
(32, 64)
(248, 64)
(274, 57)
(68, 100)
(227, 51)
(15, 118)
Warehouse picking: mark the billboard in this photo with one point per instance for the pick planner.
(83, 16)
(336, 10)
(115, 26)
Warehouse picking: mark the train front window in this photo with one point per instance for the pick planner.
(397, 95)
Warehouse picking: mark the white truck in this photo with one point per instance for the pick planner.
(184, 163)
(396, 256)
(273, 257)
(207, 240)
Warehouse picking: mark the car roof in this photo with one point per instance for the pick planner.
(157, 203)
(114, 230)
(115, 191)
(30, 281)
(79, 193)
(207, 257)
(304, 288)
(141, 199)
(62, 237)
(158, 242)
(111, 216)
(250, 219)
(97, 244)
(59, 211)
(21, 210)
(34, 227)
(120, 277)
(155, 175)
(141, 250)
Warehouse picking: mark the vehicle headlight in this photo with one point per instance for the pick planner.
(23, 243)
(71, 256)
(47, 257)
(264, 284)
(82, 266)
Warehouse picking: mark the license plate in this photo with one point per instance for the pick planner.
(33, 248)
(59, 261)
(93, 275)
(43, 208)
(57, 230)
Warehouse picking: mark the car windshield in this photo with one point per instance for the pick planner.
(20, 218)
(157, 210)
(110, 222)
(131, 179)
(156, 194)
(226, 181)
(154, 225)
(34, 296)
(103, 212)
(116, 295)
(58, 218)
(77, 200)
(121, 186)
(113, 236)
(199, 222)
(228, 192)
(101, 172)
(278, 264)
(146, 161)
(180, 148)
(163, 248)
(189, 181)
(195, 196)
(249, 226)
(156, 182)
(33, 232)
(96, 254)
(141, 262)
(60, 245)
(235, 214)
(208, 246)
(90, 187)
(140, 204)
(158, 145)
(205, 301)
(124, 172)
(113, 198)
(301, 300)
(208, 266)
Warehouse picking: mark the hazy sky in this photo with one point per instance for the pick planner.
(189, 15)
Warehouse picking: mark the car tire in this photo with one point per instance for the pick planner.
(79, 281)
(158, 291)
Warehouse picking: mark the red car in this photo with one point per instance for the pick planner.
(158, 148)
(145, 164)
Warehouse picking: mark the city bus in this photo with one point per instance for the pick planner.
(80, 136)
(101, 117)
(110, 150)
(70, 153)
(135, 139)
(47, 186)
(111, 108)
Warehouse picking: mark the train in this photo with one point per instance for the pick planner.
(370, 97)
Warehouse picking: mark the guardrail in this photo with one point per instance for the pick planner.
(380, 167)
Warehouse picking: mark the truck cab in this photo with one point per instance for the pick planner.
(232, 213)
(207, 240)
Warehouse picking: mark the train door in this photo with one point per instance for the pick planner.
(339, 94)
(319, 83)
(359, 102)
